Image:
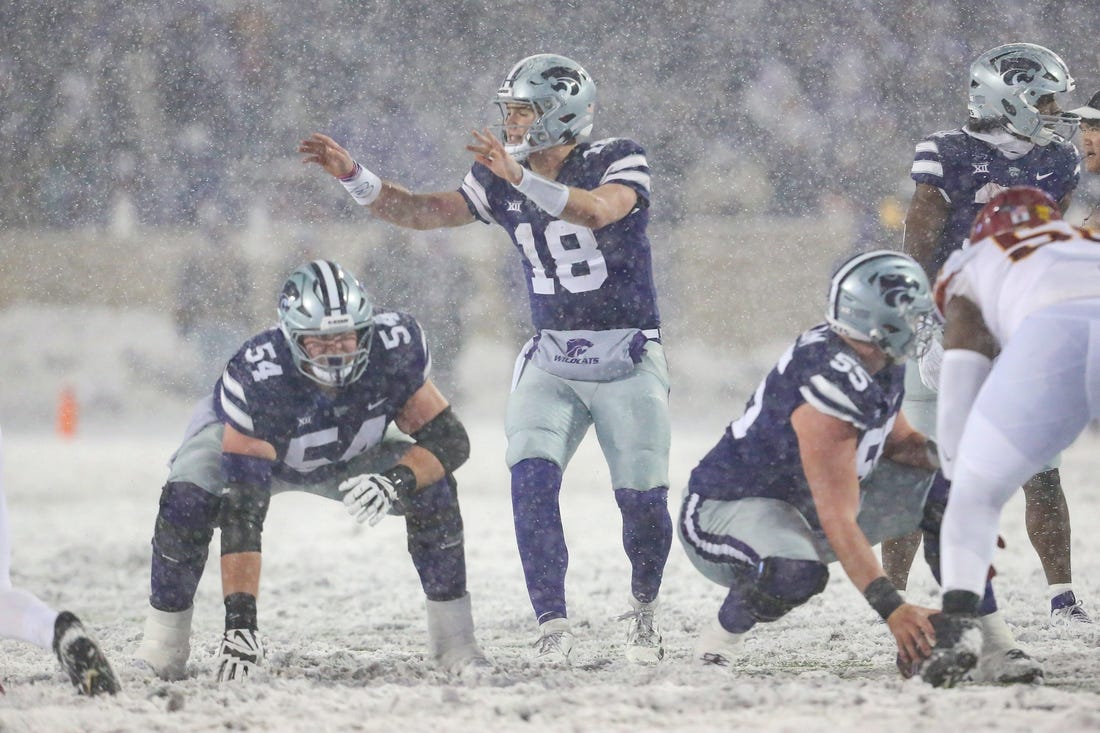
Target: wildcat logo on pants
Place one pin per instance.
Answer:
(576, 347)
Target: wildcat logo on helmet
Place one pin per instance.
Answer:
(565, 80)
(897, 289)
(1019, 70)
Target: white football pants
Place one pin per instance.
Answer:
(22, 615)
(1042, 392)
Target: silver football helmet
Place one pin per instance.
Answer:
(322, 299)
(883, 297)
(1006, 83)
(562, 94)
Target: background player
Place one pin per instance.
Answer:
(577, 213)
(1016, 135)
(305, 406)
(1025, 291)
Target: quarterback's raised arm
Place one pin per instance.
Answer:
(387, 200)
(592, 208)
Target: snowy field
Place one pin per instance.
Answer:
(343, 615)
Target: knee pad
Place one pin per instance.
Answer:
(185, 523)
(432, 515)
(181, 542)
(783, 584)
(435, 540)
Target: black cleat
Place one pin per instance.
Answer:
(81, 658)
(958, 645)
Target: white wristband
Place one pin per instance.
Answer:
(550, 196)
(363, 185)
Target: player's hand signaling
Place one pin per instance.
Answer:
(327, 153)
(912, 631)
(490, 152)
(368, 497)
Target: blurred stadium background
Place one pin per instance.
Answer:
(153, 201)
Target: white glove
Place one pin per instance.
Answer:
(929, 364)
(240, 654)
(368, 497)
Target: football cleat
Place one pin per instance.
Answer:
(717, 647)
(451, 640)
(1008, 667)
(556, 643)
(958, 646)
(166, 643)
(240, 654)
(643, 636)
(1066, 610)
(81, 657)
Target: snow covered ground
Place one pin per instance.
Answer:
(343, 615)
(342, 610)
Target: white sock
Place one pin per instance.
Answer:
(1057, 589)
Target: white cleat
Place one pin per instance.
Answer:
(451, 640)
(1001, 660)
(166, 643)
(717, 647)
(555, 643)
(1007, 667)
(644, 644)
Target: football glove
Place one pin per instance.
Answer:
(368, 497)
(240, 654)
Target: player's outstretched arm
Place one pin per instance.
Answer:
(828, 449)
(387, 200)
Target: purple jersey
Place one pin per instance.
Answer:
(578, 278)
(758, 454)
(970, 171)
(262, 394)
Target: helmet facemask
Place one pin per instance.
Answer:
(911, 342)
(332, 369)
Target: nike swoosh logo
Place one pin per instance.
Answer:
(373, 405)
(1041, 176)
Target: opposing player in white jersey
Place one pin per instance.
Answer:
(576, 211)
(25, 617)
(1016, 135)
(1026, 291)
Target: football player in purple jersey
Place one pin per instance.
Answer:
(307, 406)
(576, 211)
(1016, 136)
(25, 617)
(821, 466)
